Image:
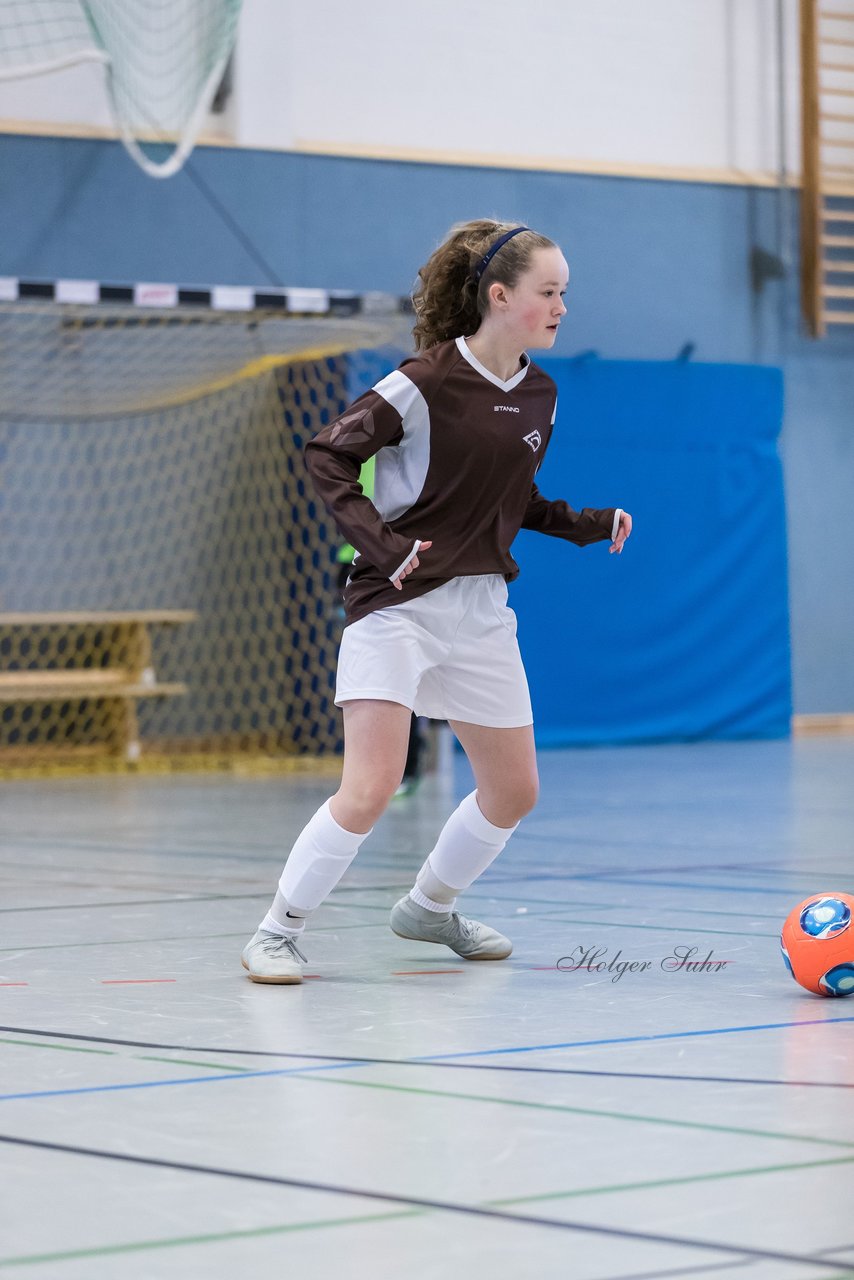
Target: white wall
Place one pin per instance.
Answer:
(670, 82)
(75, 96)
(676, 83)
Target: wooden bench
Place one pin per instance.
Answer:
(124, 672)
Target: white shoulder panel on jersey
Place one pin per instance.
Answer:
(554, 412)
(400, 470)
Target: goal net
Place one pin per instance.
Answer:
(152, 460)
(163, 61)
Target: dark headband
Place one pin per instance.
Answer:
(493, 249)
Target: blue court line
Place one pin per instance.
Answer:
(666, 1035)
(162, 1084)
(354, 1060)
(436, 1057)
(604, 880)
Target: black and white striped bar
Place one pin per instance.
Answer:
(224, 297)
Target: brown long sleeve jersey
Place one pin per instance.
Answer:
(456, 452)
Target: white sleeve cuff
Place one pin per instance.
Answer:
(616, 526)
(400, 568)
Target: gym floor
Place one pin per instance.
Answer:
(404, 1112)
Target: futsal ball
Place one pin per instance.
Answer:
(817, 942)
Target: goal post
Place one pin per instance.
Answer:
(152, 460)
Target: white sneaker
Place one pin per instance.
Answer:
(273, 957)
(469, 938)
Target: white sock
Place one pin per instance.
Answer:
(421, 900)
(280, 920)
(468, 844)
(320, 855)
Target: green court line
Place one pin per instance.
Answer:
(137, 1246)
(121, 942)
(555, 916)
(484, 896)
(66, 1048)
(480, 898)
(189, 1062)
(136, 1057)
(181, 937)
(484, 899)
(256, 1232)
(656, 928)
(580, 1111)
(671, 1182)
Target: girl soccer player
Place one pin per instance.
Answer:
(458, 433)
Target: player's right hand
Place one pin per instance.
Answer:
(623, 532)
(413, 564)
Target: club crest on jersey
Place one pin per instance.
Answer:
(534, 439)
(353, 428)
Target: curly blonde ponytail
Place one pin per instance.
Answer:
(449, 301)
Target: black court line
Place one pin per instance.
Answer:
(651, 871)
(592, 872)
(793, 872)
(394, 887)
(178, 900)
(605, 879)
(482, 895)
(60, 845)
(418, 1062)
(421, 1202)
(70, 846)
(143, 871)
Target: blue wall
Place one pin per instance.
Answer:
(686, 635)
(654, 265)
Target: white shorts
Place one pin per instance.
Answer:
(450, 654)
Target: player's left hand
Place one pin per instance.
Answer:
(624, 529)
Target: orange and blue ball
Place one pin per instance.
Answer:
(817, 942)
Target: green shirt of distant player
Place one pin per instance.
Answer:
(366, 480)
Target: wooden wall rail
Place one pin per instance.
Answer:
(827, 210)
